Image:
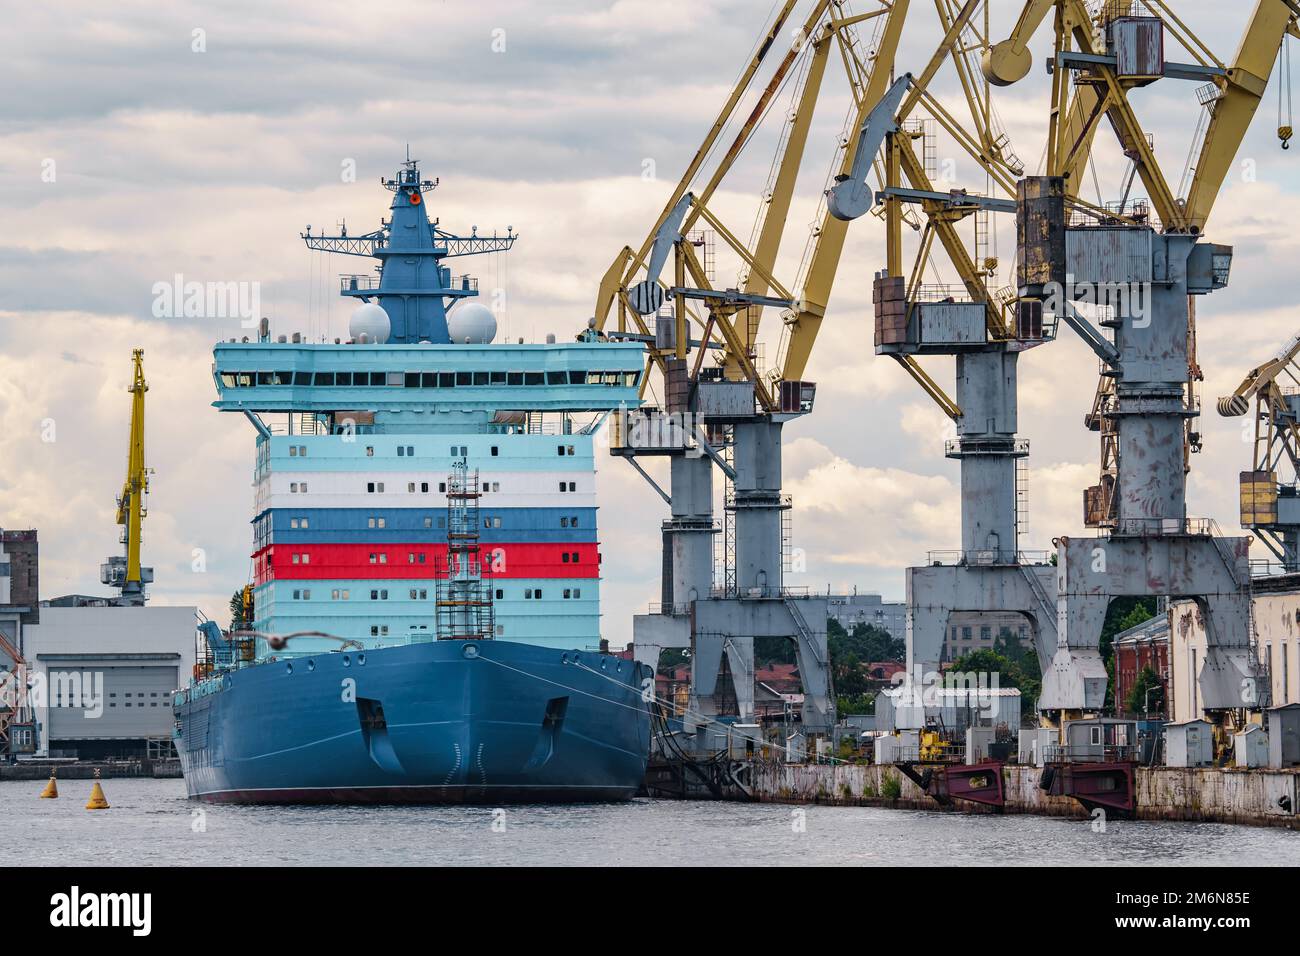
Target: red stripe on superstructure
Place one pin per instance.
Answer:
(342, 561)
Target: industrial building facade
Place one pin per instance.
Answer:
(19, 608)
(107, 674)
(1276, 612)
(966, 631)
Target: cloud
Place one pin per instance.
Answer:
(209, 164)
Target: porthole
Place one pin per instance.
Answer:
(289, 667)
(347, 661)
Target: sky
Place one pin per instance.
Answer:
(141, 141)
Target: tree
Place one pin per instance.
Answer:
(1147, 681)
(1123, 613)
(1024, 677)
(237, 620)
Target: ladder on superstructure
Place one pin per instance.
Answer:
(464, 594)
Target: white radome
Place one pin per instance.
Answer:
(472, 323)
(369, 319)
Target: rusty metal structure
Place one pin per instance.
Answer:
(1270, 501)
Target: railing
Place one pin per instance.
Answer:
(1091, 753)
(1264, 568)
(980, 446)
(938, 292)
(675, 610)
(1155, 527)
(986, 558)
(370, 283)
(757, 593)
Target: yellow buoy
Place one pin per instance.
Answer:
(51, 789)
(97, 800)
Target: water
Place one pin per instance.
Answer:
(152, 823)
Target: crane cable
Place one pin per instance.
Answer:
(1284, 87)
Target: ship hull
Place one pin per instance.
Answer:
(480, 722)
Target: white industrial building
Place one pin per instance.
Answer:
(106, 675)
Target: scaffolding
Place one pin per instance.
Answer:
(464, 591)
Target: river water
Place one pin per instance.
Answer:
(152, 823)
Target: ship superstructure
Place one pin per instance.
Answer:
(374, 456)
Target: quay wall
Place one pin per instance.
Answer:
(1257, 797)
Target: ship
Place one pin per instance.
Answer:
(423, 615)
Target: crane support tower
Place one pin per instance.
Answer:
(1147, 267)
(124, 571)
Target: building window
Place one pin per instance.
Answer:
(494, 451)
(370, 451)
(500, 594)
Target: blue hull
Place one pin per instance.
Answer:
(439, 722)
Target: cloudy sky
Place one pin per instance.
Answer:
(139, 141)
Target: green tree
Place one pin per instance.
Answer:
(1123, 613)
(237, 619)
(857, 704)
(1024, 677)
(670, 657)
(1147, 681)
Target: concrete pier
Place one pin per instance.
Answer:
(1253, 797)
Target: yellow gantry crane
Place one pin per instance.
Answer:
(1089, 82)
(125, 572)
(733, 315)
(1271, 507)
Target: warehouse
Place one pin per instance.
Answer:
(107, 674)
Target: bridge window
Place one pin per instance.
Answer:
(514, 378)
(557, 378)
(480, 378)
(464, 378)
(325, 378)
(534, 378)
